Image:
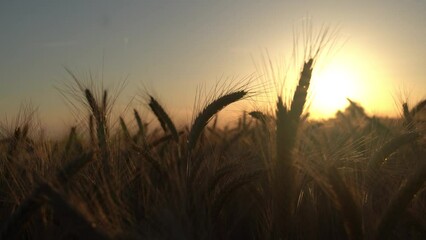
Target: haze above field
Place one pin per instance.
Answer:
(172, 47)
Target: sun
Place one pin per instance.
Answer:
(331, 86)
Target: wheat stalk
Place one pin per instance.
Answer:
(345, 202)
(287, 122)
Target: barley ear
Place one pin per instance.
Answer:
(72, 168)
(92, 130)
(287, 122)
(164, 119)
(99, 115)
(70, 141)
(299, 98)
(11, 227)
(419, 107)
(387, 149)
(72, 217)
(400, 201)
(408, 118)
(141, 128)
(347, 205)
(208, 112)
(258, 115)
(230, 188)
(125, 130)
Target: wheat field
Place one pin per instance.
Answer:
(274, 175)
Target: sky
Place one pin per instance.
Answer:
(173, 47)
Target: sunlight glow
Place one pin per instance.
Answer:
(330, 88)
(357, 74)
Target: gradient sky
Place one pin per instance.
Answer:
(174, 46)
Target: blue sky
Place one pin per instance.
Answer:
(174, 46)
